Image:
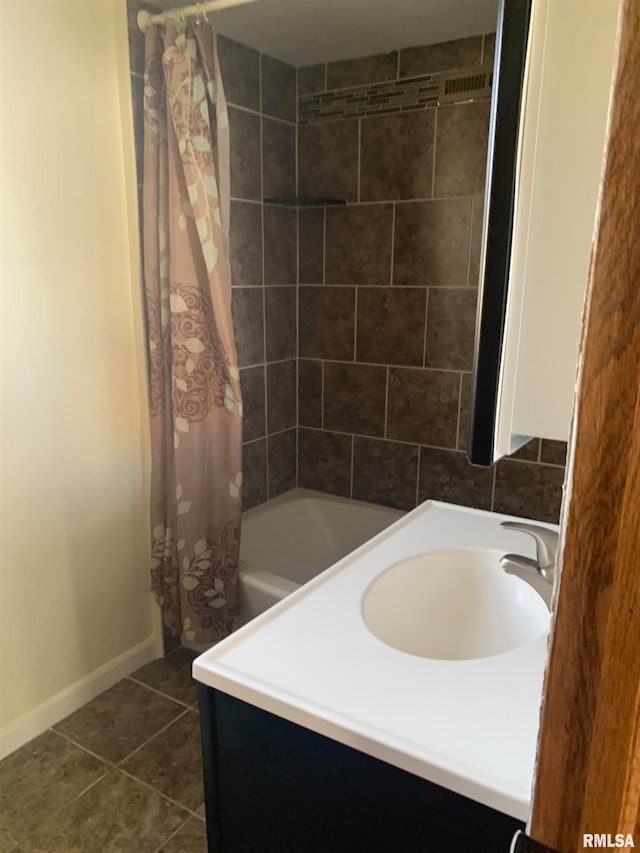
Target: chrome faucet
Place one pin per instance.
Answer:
(543, 567)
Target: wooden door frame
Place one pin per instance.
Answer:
(587, 777)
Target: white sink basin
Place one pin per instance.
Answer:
(453, 604)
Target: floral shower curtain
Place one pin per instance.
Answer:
(195, 402)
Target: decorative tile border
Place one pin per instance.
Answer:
(394, 96)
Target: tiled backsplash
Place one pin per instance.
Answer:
(368, 309)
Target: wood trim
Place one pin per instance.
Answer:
(588, 766)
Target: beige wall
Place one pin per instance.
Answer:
(75, 610)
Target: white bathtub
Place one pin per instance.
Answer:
(291, 539)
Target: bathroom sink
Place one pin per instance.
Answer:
(453, 604)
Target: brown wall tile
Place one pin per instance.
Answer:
(390, 326)
(396, 156)
(451, 322)
(553, 452)
(368, 69)
(282, 396)
(254, 473)
(445, 475)
(310, 393)
(278, 89)
(385, 472)
(253, 402)
(465, 412)
(280, 252)
(488, 48)
(326, 322)
(324, 461)
(245, 243)
(278, 159)
(328, 160)
(282, 450)
(475, 240)
(311, 246)
(462, 135)
(311, 79)
(354, 397)
(358, 244)
(443, 56)
(244, 131)
(248, 324)
(528, 452)
(240, 68)
(423, 406)
(431, 243)
(525, 489)
(281, 316)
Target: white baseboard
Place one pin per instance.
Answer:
(59, 706)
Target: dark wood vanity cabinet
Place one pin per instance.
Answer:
(272, 786)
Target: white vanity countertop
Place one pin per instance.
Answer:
(468, 725)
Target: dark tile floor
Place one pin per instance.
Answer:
(121, 775)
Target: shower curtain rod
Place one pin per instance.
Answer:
(145, 18)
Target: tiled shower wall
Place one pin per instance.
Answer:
(386, 285)
(388, 288)
(262, 104)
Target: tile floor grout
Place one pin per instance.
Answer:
(171, 672)
(159, 692)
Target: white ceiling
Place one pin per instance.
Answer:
(303, 32)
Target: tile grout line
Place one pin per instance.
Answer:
(110, 764)
(182, 808)
(173, 834)
(260, 113)
(422, 444)
(375, 364)
(461, 287)
(418, 475)
(244, 444)
(155, 690)
(119, 764)
(419, 199)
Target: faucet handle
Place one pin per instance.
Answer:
(546, 541)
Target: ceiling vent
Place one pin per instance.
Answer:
(468, 84)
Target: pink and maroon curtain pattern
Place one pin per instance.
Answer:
(195, 401)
